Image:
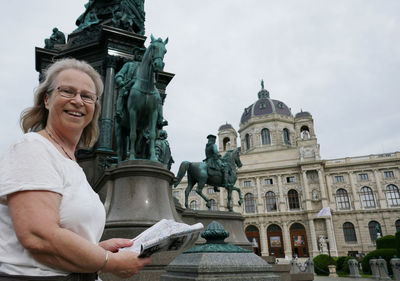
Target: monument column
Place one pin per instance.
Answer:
(263, 240)
(331, 236)
(106, 118)
(260, 208)
(306, 191)
(381, 194)
(354, 192)
(314, 245)
(286, 240)
(282, 202)
(324, 197)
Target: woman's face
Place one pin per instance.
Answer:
(70, 114)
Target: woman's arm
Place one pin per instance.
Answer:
(35, 216)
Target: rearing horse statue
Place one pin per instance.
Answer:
(197, 173)
(144, 103)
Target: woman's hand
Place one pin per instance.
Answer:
(124, 264)
(114, 244)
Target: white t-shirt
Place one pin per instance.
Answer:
(34, 163)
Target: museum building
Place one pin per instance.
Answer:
(295, 203)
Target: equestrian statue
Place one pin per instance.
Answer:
(215, 170)
(139, 113)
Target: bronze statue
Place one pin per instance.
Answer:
(197, 172)
(215, 166)
(56, 38)
(163, 151)
(145, 105)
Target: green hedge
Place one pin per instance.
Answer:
(386, 254)
(397, 243)
(339, 262)
(386, 242)
(321, 263)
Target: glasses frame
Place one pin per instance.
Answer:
(74, 92)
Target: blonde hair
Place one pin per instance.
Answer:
(34, 118)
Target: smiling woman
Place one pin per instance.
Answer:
(51, 220)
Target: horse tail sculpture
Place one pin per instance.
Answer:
(182, 171)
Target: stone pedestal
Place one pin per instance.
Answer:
(332, 271)
(395, 262)
(354, 269)
(383, 270)
(374, 268)
(137, 194)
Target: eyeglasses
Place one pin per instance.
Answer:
(70, 93)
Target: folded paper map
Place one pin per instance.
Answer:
(166, 235)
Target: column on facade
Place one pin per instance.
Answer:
(282, 201)
(356, 200)
(306, 191)
(263, 240)
(381, 195)
(222, 196)
(331, 237)
(286, 240)
(259, 199)
(324, 197)
(106, 118)
(314, 245)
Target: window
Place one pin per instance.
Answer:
(363, 177)
(268, 181)
(213, 205)
(247, 138)
(393, 195)
(349, 232)
(210, 190)
(375, 230)
(293, 198)
(226, 143)
(270, 202)
(290, 179)
(342, 199)
(389, 174)
(367, 197)
(305, 133)
(286, 136)
(247, 183)
(194, 205)
(339, 179)
(265, 136)
(249, 203)
(397, 225)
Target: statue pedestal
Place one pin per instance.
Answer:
(137, 194)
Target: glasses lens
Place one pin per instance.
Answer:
(70, 93)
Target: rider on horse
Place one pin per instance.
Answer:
(125, 79)
(215, 165)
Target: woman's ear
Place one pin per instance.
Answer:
(46, 100)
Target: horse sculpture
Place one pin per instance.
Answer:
(144, 107)
(197, 173)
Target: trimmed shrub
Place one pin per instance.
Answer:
(339, 262)
(346, 268)
(397, 243)
(321, 263)
(386, 242)
(386, 254)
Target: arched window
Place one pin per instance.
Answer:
(226, 143)
(293, 198)
(247, 138)
(270, 202)
(393, 195)
(213, 205)
(194, 205)
(305, 133)
(342, 199)
(249, 203)
(374, 228)
(286, 136)
(349, 232)
(397, 225)
(265, 136)
(367, 197)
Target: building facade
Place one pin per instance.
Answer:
(295, 203)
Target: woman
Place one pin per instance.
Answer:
(50, 218)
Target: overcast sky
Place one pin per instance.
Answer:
(339, 60)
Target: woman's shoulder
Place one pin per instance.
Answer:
(32, 143)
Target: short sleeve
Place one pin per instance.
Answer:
(30, 164)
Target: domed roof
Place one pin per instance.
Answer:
(264, 106)
(225, 126)
(302, 114)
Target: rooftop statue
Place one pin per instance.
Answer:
(125, 14)
(144, 104)
(57, 37)
(213, 173)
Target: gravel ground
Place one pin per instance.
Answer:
(326, 278)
